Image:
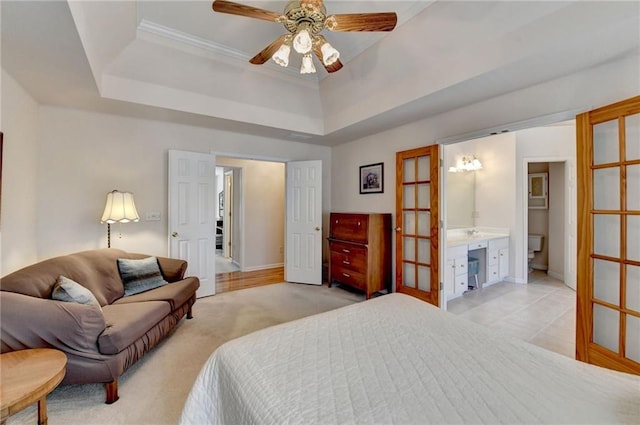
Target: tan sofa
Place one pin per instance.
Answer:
(101, 343)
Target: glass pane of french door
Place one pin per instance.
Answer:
(608, 314)
(417, 221)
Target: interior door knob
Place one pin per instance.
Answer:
(317, 229)
(174, 234)
(398, 229)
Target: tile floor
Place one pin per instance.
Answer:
(542, 312)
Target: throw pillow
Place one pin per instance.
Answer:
(140, 275)
(68, 290)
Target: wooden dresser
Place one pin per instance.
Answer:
(360, 251)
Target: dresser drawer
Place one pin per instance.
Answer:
(350, 277)
(348, 249)
(352, 261)
(349, 227)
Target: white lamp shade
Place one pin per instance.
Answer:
(307, 65)
(329, 54)
(119, 208)
(302, 42)
(281, 56)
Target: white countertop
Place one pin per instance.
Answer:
(465, 236)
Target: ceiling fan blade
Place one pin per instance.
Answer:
(384, 21)
(336, 66)
(268, 51)
(223, 6)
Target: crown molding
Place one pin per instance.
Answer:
(191, 40)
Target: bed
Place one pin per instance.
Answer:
(397, 360)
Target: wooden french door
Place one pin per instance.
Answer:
(608, 291)
(417, 223)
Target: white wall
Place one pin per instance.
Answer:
(495, 183)
(263, 185)
(556, 220)
(83, 155)
(19, 176)
(546, 144)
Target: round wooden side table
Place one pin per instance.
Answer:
(28, 376)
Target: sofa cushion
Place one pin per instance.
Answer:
(96, 270)
(173, 269)
(129, 321)
(140, 275)
(175, 293)
(68, 290)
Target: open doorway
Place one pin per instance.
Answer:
(251, 220)
(546, 219)
(497, 198)
(226, 261)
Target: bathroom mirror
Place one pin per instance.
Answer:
(460, 199)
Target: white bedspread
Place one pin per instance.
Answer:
(397, 360)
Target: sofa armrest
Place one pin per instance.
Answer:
(173, 269)
(31, 322)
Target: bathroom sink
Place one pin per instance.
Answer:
(460, 238)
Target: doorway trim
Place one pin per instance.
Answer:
(240, 190)
(570, 216)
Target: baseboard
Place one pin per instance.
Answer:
(556, 275)
(263, 267)
(513, 280)
(536, 266)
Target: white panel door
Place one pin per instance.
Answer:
(192, 226)
(303, 261)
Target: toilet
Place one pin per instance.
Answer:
(534, 244)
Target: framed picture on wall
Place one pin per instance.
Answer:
(372, 178)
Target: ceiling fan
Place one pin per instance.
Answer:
(305, 19)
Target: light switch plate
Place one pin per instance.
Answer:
(153, 216)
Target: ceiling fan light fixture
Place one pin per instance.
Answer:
(304, 21)
(281, 56)
(307, 65)
(302, 42)
(329, 54)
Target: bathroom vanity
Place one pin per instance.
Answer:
(489, 246)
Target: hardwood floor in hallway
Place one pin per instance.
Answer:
(232, 281)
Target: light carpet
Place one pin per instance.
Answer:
(154, 390)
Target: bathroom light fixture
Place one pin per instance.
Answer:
(468, 163)
(119, 208)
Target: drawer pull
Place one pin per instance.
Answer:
(346, 250)
(346, 262)
(346, 275)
